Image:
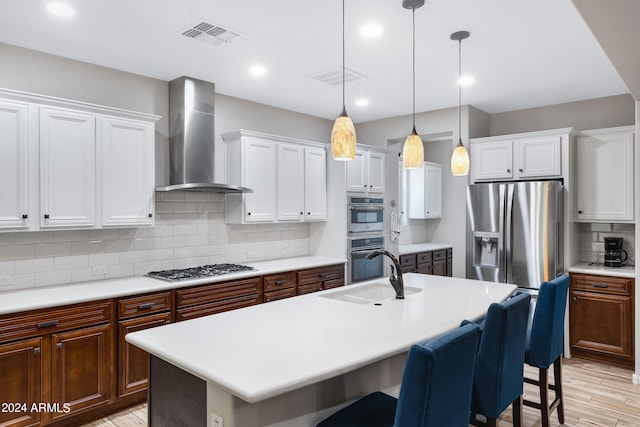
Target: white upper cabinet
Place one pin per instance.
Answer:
(127, 172)
(291, 184)
(315, 184)
(14, 184)
(535, 155)
(366, 172)
(74, 165)
(287, 176)
(605, 175)
(67, 168)
(424, 191)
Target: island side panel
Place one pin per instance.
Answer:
(306, 406)
(176, 398)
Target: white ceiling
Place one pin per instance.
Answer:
(522, 53)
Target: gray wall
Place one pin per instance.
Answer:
(596, 113)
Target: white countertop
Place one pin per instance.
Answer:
(263, 351)
(53, 296)
(423, 247)
(601, 270)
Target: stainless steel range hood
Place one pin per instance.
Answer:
(192, 138)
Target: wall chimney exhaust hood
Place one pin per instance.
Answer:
(192, 138)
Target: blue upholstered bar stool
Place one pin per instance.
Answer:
(435, 389)
(545, 345)
(498, 379)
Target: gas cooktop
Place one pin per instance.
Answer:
(197, 272)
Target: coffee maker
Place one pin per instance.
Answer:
(614, 255)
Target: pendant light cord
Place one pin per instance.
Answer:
(414, 69)
(460, 90)
(343, 56)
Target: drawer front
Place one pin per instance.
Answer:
(144, 304)
(40, 322)
(449, 253)
(279, 281)
(423, 257)
(438, 255)
(335, 283)
(601, 284)
(321, 274)
(218, 292)
(280, 294)
(216, 307)
(407, 260)
(309, 288)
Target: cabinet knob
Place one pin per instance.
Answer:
(301, 213)
(46, 216)
(36, 350)
(280, 282)
(248, 213)
(59, 345)
(520, 170)
(25, 216)
(579, 212)
(365, 185)
(150, 215)
(308, 213)
(371, 186)
(574, 299)
(508, 170)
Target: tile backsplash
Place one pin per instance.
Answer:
(189, 231)
(592, 240)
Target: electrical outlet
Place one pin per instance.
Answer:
(251, 255)
(216, 420)
(99, 269)
(5, 279)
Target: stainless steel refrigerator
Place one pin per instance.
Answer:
(515, 232)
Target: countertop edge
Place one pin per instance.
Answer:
(601, 270)
(411, 248)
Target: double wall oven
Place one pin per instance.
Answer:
(366, 234)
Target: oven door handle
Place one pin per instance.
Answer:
(367, 208)
(362, 251)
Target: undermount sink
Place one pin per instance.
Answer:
(369, 294)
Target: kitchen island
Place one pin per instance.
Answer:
(292, 362)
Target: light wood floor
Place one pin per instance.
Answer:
(595, 395)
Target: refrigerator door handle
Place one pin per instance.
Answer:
(508, 235)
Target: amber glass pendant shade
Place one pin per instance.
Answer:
(460, 160)
(413, 152)
(343, 138)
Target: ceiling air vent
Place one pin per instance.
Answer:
(207, 32)
(334, 76)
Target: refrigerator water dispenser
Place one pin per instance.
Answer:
(485, 249)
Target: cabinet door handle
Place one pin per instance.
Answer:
(323, 275)
(59, 345)
(25, 216)
(600, 285)
(46, 216)
(281, 282)
(48, 324)
(574, 299)
(36, 350)
(146, 306)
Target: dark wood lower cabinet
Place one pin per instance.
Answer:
(21, 372)
(438, 263)
(601, 318)
(133, 364)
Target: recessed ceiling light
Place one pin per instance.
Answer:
(371, 30)
(466, 81)
(257, 70)
(362, 102)
(62, 10)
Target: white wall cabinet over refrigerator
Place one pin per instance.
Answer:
(366, 172)
(534, 155)
(75, 165)
(287, 176)
(424, 191)
(605, 175)
(14, 206)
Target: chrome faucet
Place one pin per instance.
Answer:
(396, 281)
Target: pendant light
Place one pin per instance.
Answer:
(343, 134)
(460, 156)
(413, 149)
